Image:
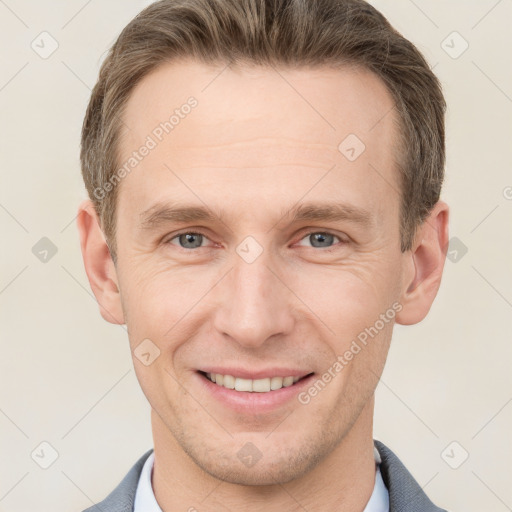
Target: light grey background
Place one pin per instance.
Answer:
(67, 376)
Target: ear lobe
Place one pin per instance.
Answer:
(99, 267)
(427, 259)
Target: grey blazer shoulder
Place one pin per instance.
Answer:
(405, 494)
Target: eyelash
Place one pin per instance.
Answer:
(304, 235)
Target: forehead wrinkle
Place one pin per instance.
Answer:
(257, 152)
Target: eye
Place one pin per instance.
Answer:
(188, 240)
(321, 239)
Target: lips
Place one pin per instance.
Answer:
(236, 390)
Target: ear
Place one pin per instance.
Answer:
(424, 266)
(98, 264)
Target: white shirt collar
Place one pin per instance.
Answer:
(145, 500)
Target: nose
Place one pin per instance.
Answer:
(255, 303)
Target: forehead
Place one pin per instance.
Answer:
(259, 117)
(333, 100)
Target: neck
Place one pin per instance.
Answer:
(343, 481)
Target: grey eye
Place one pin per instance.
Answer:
(321, 239)
(190, 240)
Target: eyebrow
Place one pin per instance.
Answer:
(330, 212)
(164, 213)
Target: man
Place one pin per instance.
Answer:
(264, 181)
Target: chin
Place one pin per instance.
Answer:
(272, 465)
(262, 473)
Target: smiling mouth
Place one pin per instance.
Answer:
(265, 385)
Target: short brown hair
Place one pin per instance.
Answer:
(272, 32)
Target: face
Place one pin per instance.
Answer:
(249, 245)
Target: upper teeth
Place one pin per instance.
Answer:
(259, 385)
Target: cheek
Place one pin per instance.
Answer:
(158, 297)
(347, 298)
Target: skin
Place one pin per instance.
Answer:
(250, 151)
